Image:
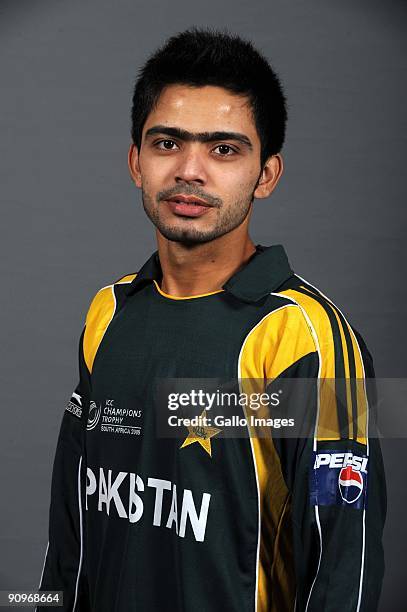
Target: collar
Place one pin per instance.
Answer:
(265, 271)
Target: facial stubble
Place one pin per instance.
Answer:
(226, 220)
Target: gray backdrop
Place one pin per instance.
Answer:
(73, 220)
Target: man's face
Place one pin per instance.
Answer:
(198, 142)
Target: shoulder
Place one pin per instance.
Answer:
(100, 313)
(122, 280)
(106, 298)
(339, 344)
(319, 310)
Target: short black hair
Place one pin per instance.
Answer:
(204, 56)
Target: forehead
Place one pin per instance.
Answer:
(200, 109)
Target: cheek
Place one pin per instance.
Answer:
(236, 176)
(151, 179)
(153, 171)
(239, 188)
(250, 181)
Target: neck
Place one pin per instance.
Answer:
(203, 268)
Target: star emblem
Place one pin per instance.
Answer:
(201, 434)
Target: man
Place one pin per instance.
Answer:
(207, 521)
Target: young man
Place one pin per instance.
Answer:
(207, 522)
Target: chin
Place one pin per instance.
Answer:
(187, 237)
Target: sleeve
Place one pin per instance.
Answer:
(336, 478)
(65, 559)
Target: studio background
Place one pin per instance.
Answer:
(72, 220)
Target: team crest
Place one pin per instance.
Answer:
(201, 433)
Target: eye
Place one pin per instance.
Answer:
(225, 153)
(165, 143)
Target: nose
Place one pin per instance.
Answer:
(191, 165)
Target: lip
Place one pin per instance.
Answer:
(181, 206)
(188, 198)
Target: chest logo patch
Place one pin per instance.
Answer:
(201, 433)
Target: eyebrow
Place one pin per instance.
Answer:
(199, 136)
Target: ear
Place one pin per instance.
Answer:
(272, 170)
(134, 165)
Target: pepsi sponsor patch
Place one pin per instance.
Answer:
(338, 478)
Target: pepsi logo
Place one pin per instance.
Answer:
(350, 484)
